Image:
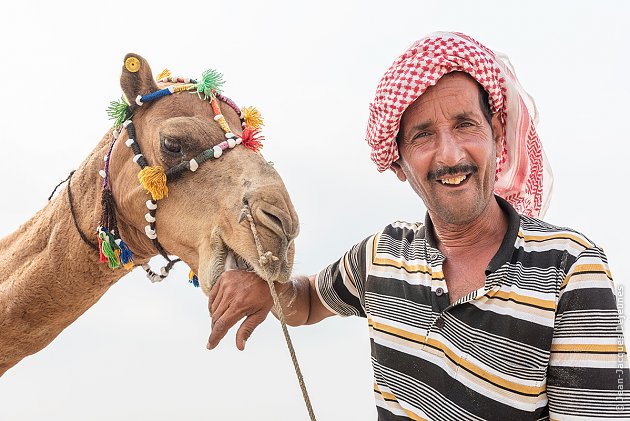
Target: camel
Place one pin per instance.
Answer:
(52, 269)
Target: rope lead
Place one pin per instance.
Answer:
(264, 258)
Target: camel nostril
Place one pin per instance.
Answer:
(274, 219)
(277, 220)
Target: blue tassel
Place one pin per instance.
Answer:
(126, 257)
(194, 281)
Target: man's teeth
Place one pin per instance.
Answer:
(454, 180)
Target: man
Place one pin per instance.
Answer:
(483, 311)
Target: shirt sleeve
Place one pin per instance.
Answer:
(341, 286)
(588, 377)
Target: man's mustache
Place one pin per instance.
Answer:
(457, 169)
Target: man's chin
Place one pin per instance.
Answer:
(456, 210)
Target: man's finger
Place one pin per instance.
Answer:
(222, 308)
(213, 302)
(248, 326)
(223, 323)
(214, 291)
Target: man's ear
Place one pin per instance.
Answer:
(136, 78)
(497, 133)
(398, 171)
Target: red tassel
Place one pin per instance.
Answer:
(252, 139)
(102, 257)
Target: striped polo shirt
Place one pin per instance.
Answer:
(541, 340)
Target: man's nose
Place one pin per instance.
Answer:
(449, 149)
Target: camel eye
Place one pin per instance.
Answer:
(171, 146)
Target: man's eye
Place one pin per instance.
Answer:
(421, 135)
(464, 124)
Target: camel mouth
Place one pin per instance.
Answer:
(217, 256)
(223, 258)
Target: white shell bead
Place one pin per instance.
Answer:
(126, 123)
(150, 232)
(218, 117)
(193, 165)
(129, 142)
(138, 100)
(102, 173)
(239, 140)
(231, 143)
(149, 217)
(217, 151)
(230, 135)
(151, 205)
(136, 158)
(154, 277)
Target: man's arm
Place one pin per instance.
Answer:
(239, 295)
(588, 377)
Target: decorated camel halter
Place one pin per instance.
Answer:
(111, 247)
(154, 179)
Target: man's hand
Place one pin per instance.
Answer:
(236, 295)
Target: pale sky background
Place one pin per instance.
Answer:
(311, 68)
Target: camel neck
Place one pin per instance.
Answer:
(50, 275)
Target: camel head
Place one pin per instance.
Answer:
(218, 188)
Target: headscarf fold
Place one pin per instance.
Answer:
(523, 175)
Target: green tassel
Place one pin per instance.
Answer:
(117, 111)
(211, 80)
(109, 252)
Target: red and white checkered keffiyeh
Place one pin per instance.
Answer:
(523, 174)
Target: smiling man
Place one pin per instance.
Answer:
(483, 311)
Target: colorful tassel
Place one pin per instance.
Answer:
(117, 111)
(101, 256)
(108, 249)
(252, 139)
(164, 73)
(126, 257)
(252, 117)
(211, 80)
(193, 279)
(153, 179)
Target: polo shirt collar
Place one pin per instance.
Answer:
(504, 254)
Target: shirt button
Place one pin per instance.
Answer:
(439, 322)
(439, 291)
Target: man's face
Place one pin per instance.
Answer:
(448, 149)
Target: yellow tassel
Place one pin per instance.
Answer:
(164, 73)
(128, 265)
(153, 179)
(252, 117)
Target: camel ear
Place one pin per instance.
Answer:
(136, 78)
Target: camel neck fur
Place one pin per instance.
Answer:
(50, 276)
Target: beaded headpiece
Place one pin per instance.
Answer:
(112, 248)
